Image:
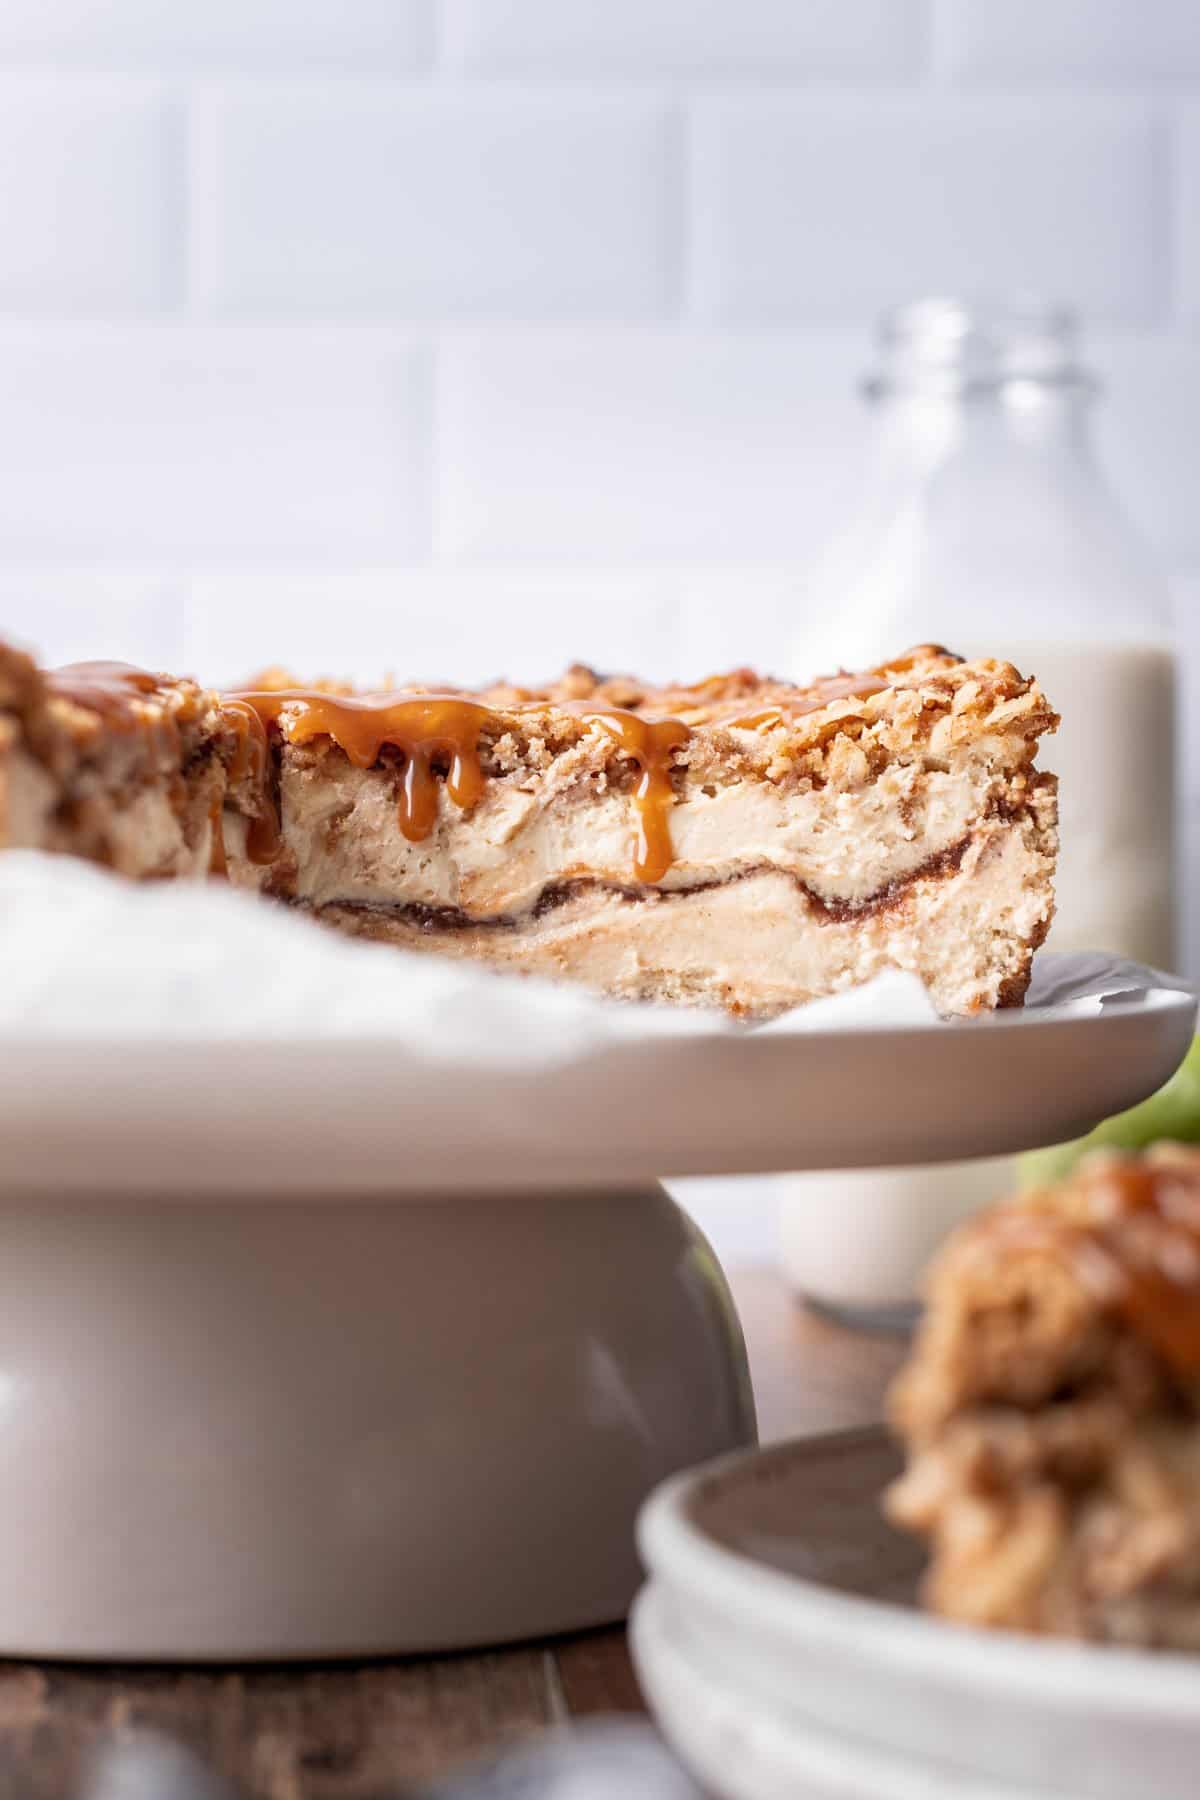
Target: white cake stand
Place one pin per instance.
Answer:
(285, 1372)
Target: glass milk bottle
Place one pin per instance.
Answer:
(986, 525)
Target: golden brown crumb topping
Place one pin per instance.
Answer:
(1050, 1409)
(649, 741)
(737, 722)
(1030, 1299)
(943, 680)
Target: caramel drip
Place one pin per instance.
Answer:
(429, 729)
(649, 743)
(106, 688)
(112, 692)
(252, 762)
(1138, 1252)
(264, 834)
(425, 728)
(218, 863)
(811, 700)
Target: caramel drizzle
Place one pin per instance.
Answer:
(112, 690)
(252, 760)
(1139, 1254)
(428, 730)
(444, 728)
(218, 862)
(436, 728)
(424, 728)
(650, 745)
(441, 727)
(106, 688)
(811, 700)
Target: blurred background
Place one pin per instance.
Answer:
(464, 336)
(458, 338)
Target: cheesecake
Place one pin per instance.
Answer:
(740, 843)
(1051, 1409)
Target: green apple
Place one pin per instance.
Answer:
(1173, 1112)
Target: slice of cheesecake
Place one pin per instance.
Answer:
(111, 763)
(740, 843)
(1051, 1409)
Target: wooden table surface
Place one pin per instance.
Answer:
(346, 1732)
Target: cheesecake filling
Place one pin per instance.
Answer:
(757, 943)
(846, 849)
(775, 894)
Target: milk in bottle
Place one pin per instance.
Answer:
(987, 526)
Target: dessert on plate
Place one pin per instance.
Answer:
(741, 843)
(1051, 1409)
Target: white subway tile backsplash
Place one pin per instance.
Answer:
(614, 446)
(1109, 42)
(464, 370)
(70, 613)
(199, 34)
(386, 623)
(364, 624)
(476, 624)
(842, 38)
(125, 446)
(812, 208)
(91, 181)
(742, 450)
(434, 203)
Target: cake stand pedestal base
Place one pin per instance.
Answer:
(239, 1430)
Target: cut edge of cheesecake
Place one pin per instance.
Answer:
(740, 842)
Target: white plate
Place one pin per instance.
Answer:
(779, 1644)
(751, 1753)
(632, 1098)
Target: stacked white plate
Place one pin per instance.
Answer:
(779, 1644)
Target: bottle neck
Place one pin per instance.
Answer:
(920, 429)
